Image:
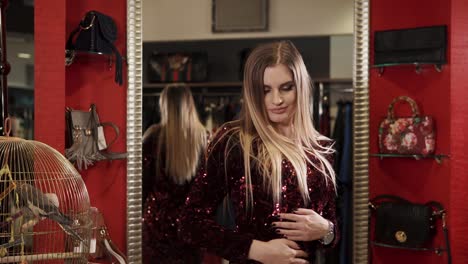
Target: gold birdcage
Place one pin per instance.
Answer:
(44, 205)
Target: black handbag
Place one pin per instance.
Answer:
(86, 143)
(96, 34)
(415, 45)
(405, 225)
(178, 67)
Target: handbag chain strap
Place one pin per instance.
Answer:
(438, 212)
(414, 107)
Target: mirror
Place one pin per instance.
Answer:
(227, 80)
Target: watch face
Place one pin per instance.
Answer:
(328, 238)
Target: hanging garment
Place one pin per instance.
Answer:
(338, 134)
(332, 256)
(151, 113)
(325, 117)
(346, 180)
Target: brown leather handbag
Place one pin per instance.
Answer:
(102, 246)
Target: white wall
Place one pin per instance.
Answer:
(18, 76)
(168, 20)
(341, 56)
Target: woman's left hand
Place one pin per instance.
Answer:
(305, 225)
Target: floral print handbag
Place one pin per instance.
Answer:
(406, 135)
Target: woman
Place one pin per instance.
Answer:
(274, 166)
(172, 152)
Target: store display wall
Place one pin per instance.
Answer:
(88, 80)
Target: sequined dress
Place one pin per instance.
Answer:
(212, 185)
(164, 200)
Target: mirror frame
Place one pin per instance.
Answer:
(360, 131)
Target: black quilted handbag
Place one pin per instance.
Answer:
(96, 33)
(402, 224)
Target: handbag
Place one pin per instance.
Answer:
(178, 67)
(406, 135)
(86, 143)
(101, 245)
(414, 45)
(402, 224)
(96, 34)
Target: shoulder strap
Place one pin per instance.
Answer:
(109, 33)
(111, 248)
(107, 154)
(373, 203)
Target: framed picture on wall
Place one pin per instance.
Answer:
(239, 15)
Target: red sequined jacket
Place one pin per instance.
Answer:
(211, 186)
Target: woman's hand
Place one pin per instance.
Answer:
(305, 225)
(277, 251)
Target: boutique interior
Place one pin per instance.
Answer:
(388, 80)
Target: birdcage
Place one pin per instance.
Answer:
(44, 205)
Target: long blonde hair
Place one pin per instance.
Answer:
(261, 143)
(181, 134)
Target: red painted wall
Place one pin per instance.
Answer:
(88, 80)
(441, 95)
(458, 127)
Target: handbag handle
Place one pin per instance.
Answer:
(373, 202)
(414, 106)
(107, 154)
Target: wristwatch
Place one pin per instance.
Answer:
(328, 238)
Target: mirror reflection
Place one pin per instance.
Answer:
(247, 142)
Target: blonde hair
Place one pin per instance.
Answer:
(262, 144)
(181, 134)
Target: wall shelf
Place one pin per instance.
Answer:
(437, 157)
(236, 84)
(199, 84)
(72, 55)
(418, 66)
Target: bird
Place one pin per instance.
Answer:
(44, 206)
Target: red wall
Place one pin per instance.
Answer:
(88, 80)
(440, 95)
(459, 126)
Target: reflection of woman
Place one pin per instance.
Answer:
(273, 164)
(172, 151)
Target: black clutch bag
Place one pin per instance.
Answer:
(415, 45)
(178, 67)
(402, 224)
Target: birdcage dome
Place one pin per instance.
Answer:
(44, 205)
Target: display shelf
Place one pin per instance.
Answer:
(418, 66)
(234, 84)
(197, 84)
(71, 55)
(437, 157)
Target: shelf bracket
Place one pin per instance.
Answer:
(418, 68)
(381, 70)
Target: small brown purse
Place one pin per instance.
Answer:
(101, 245)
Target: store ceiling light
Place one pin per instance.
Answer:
(24, 55)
